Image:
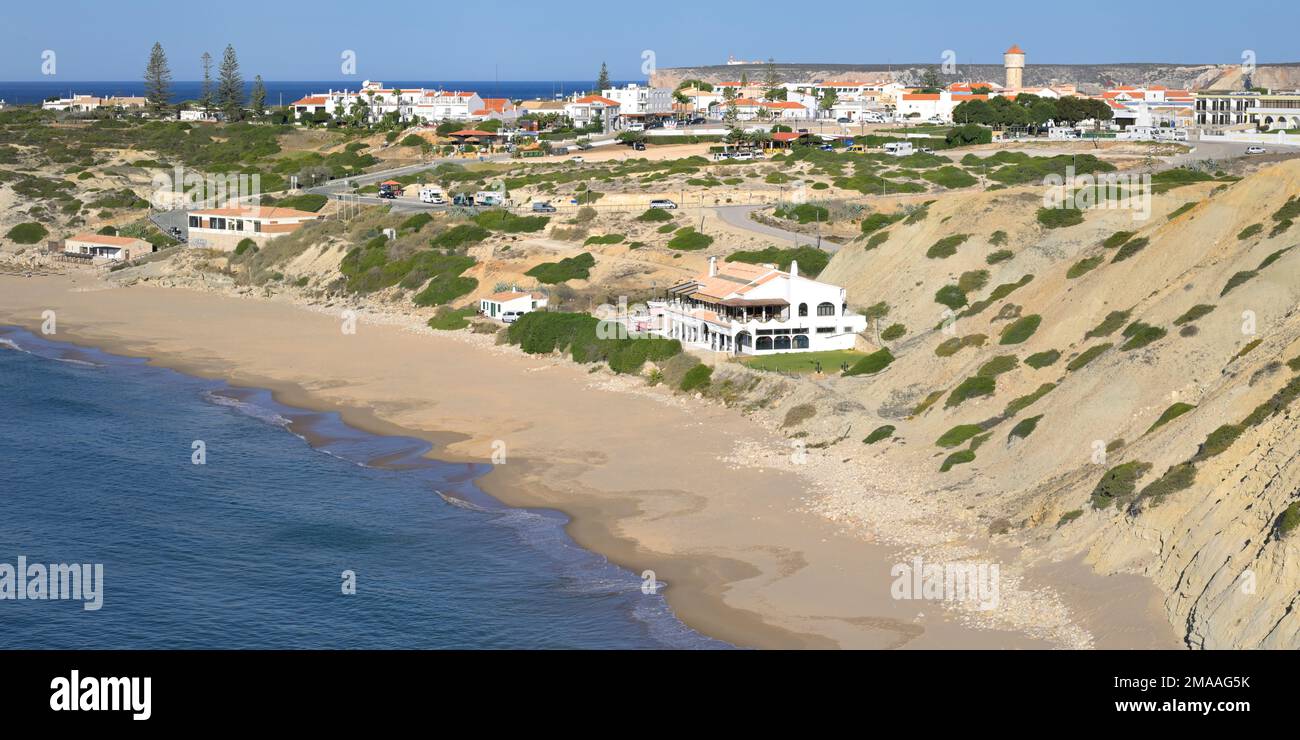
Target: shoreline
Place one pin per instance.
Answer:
(743, 562)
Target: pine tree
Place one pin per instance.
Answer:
(230, 86)
(157, 80)
(205, 97)
(602, 82)
(259, 97)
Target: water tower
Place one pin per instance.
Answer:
(1014, 61)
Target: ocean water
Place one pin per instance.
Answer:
(290, 90)
(248, 550)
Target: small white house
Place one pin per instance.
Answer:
(102, 247)
(512, 302)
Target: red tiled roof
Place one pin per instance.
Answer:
(1015, 49)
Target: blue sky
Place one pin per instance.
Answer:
(513, 40)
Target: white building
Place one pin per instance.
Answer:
(224, 228)
(588, 108)
(750, 109)
(756, 309)
(1240, 109)
(635, 101)
(409, 104)
(88, 103)
(498, 304)
(113, 248)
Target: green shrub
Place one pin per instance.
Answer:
(1194, 313)
(1057, 218)
(416, 222)
(998, 238)
(1068, 517)
(1177, 478)
(507, 222)
(444, 288)
(655, 215)
(1118, 239)
(973, 280)
(1288, 520)
(946, 247)
(878, 221)
(1140, 335)
(1171, 413)
(27, 233)
(1024, 428)
(811, 259)
(1218, 441)
(312, 202)
(1025, 401)
(1249, 231)
(1245, 350)
(876, 240)
(998, 365)
(1118, 484)
(689, 240)
(879, 433)
(1002, 255)
(950, 347)
(958, 435)
(245, 245)
(1087, 356)
(1109, 325)
(950, 177)
(1021, 329)
(872, 363)
(447, 319)
(951, 296)
(696, 377)
(959, 457)
(972, 387)
(459, 236)
(412, 140)
(895, 331)
(570, 268)
(605, 239)
(1238, 279)
(1130, 248)
(1040, 360)
(1083, 267)
(803, 213)
(1180, 210)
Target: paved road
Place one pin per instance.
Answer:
(738, 216)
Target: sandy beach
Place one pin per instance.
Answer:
(649, 479)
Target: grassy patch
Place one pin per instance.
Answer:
(1140, 335)
(958, 435)
(1040, 360)
(689, 240)
(1059, 218)
(950, 347)
(697, 377)
(951, 296)
(655, 215)
(975, 386)
(1021, 329)
(1249, 231)
(877, 221)
(1171, 413)
(876, 240)
(1118, 484)
(605, 239)
(960, 457)
(811, 259)
(879, 433)
(1218, 441)
(1288, 520)
(872, 363)
(1024, 428)
(946, 247)
(1194, 313)
(998, 365)
(570, 268)
(1177, 478)
(803, 213)
(1118, 239)
(892, 332)
(27, 233)
(1083, 267)
(1002, 255)
(1130, 248)
(460, 235)
(1068, 517)
(449, 319)
(1180, 210)
(803, 362)
(1109, 325)
(1027, 400)
(1087, 356)
(509, 223)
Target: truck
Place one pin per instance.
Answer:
(489, 198)
(434, 196)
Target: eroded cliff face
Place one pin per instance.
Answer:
(1177, 363)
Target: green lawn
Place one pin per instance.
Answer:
(804, 362)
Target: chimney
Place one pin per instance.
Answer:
(794, 268)
(713, 267)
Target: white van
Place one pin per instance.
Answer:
(898, 148)
(434, 196)
(636, 126)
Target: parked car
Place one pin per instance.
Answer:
(663, 203)
(388, 194)
(543, 207)
(802, 131)
(636, 127)
(927, 150)
(461, 199)
(843, 119)
(1255, 150)
(638, 146)
(577, 160)
(511, 317)
(826, 148)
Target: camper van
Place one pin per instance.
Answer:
(898, 148)
(432, 195)
(488, 198)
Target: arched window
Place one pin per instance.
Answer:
(803, 309)
(764, 343)
(743, 339)
(825, 309)
(801, 341)
(782, 343)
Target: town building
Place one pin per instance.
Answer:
(587, 109)
(90, 103)
(741, 308)
(749, 109)
(224, 228)
(1224, 109)
(511, 301)
(641, 103)
(1013, 61)
(374, 101)
(108, 248)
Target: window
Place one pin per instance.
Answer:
(782, 343)
(825, 330)
(764, 343)
(803, 309)
(194, 222)
(825, 309)
(801, 341)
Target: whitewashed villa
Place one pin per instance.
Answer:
(749, 309)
